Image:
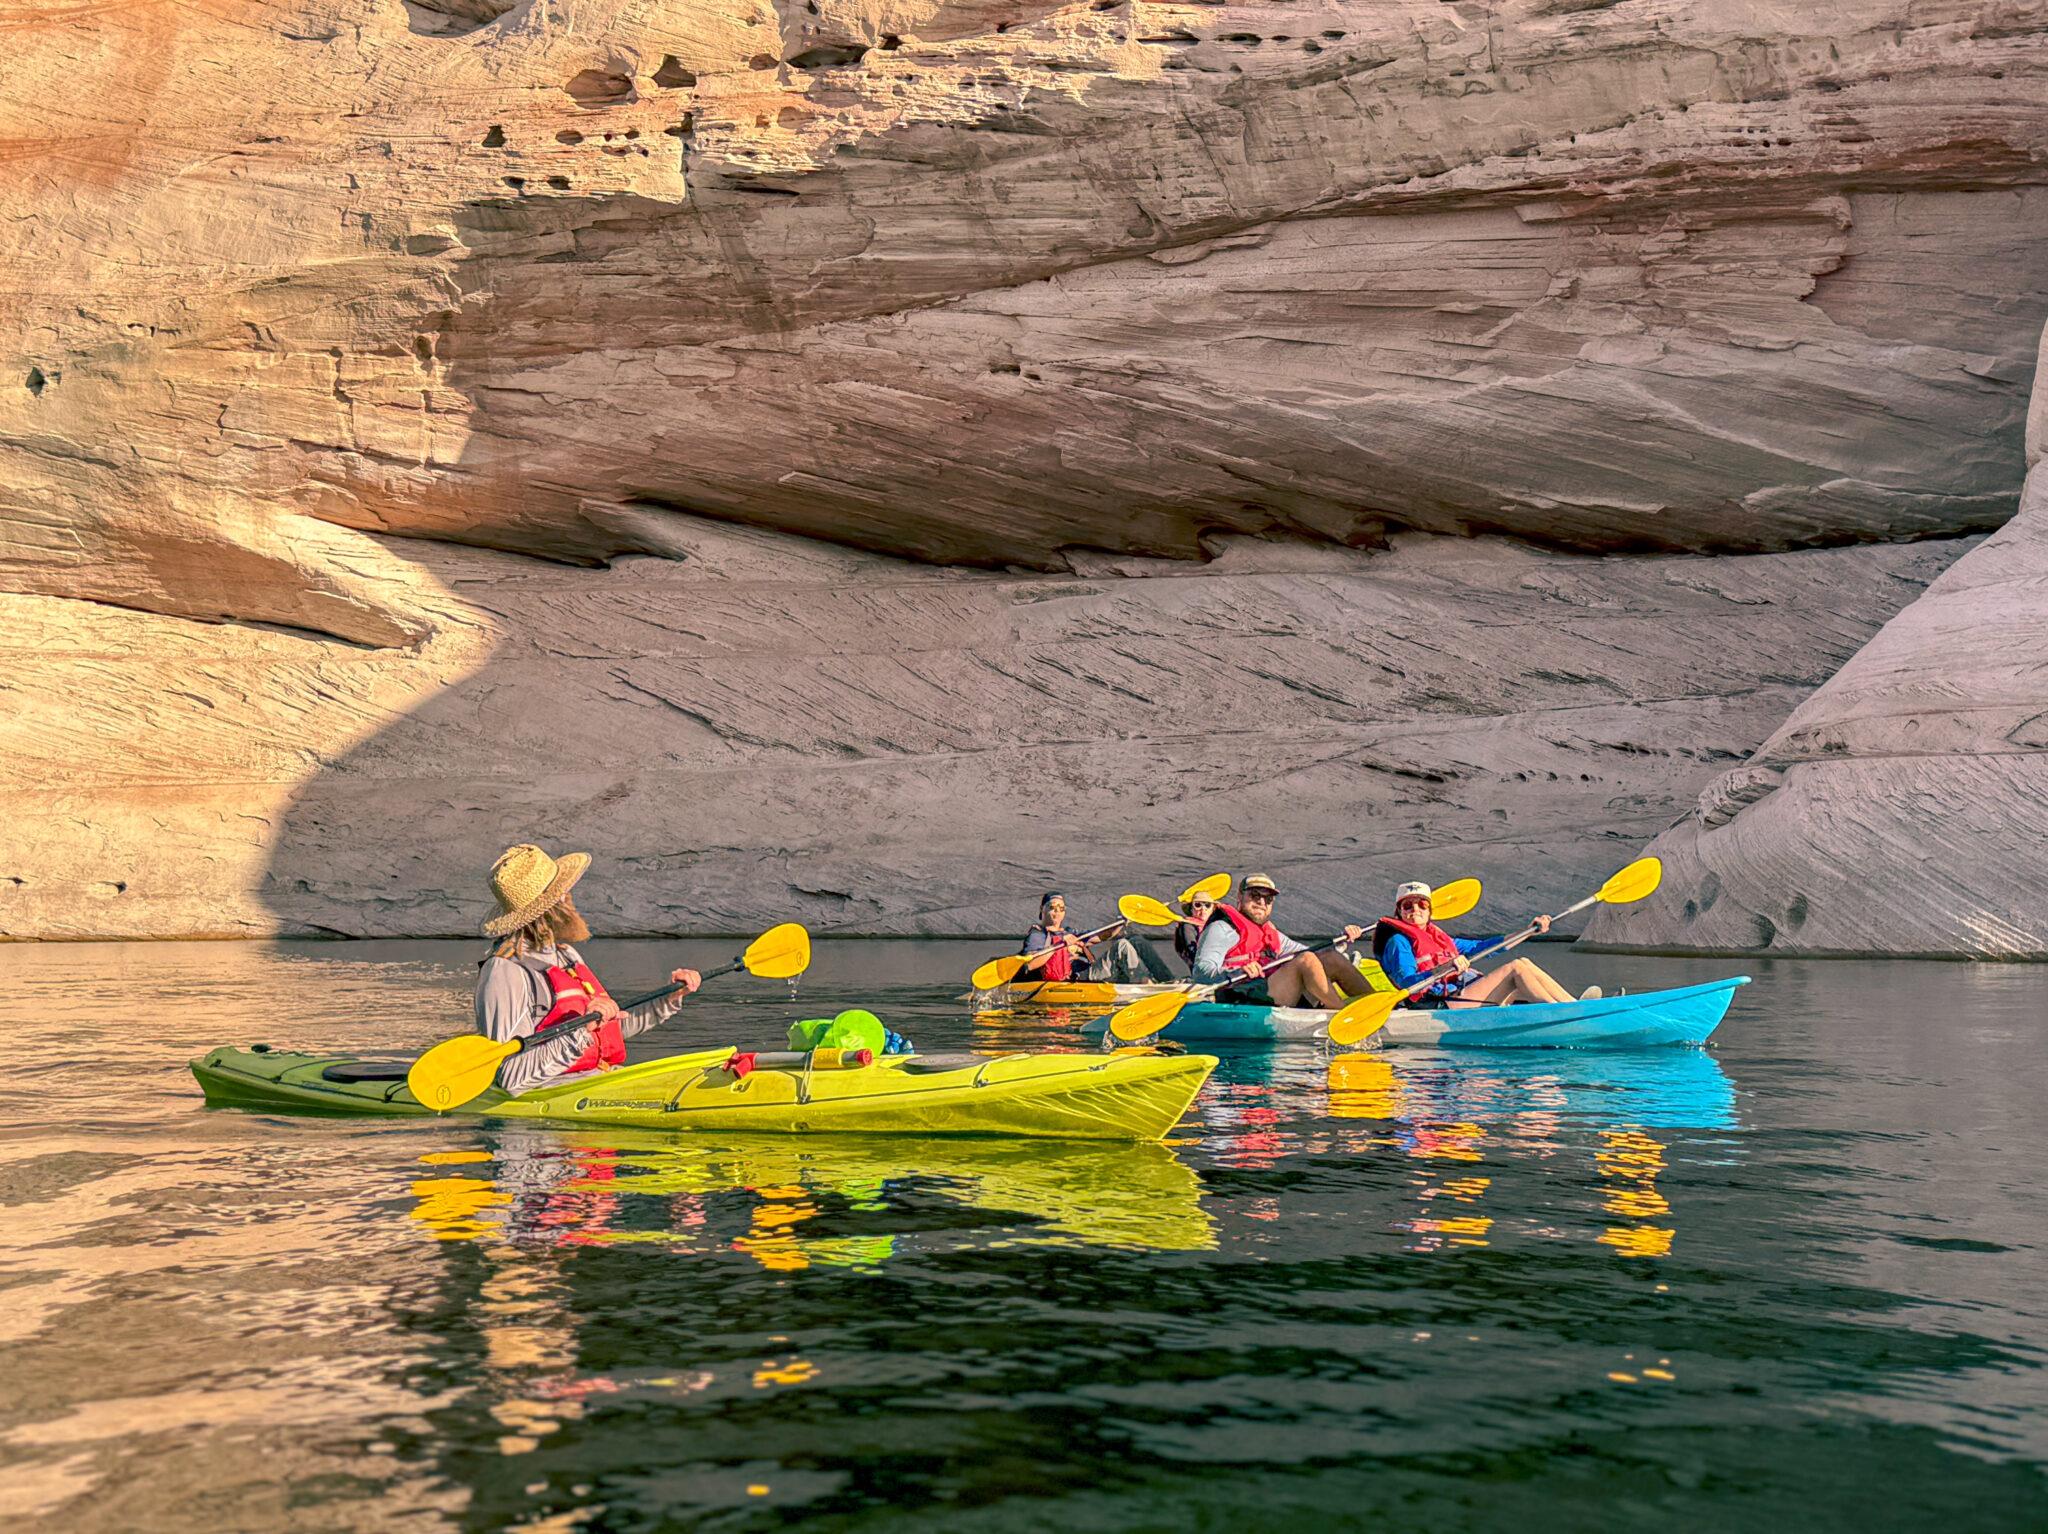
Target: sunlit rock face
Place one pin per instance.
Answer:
(1902, 808)
(974, 284)
(981, 282)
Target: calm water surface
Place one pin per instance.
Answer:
(1798, 1278)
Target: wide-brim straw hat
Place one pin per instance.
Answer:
(529, 884)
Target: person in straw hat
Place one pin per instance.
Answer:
(535, 981)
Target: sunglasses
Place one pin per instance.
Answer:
(1251, 895)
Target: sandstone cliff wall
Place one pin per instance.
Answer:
(772, 728)
(322, 304)
(1901, 809)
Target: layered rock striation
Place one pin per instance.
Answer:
(1902, 808)
(355, 336)
(773, 729)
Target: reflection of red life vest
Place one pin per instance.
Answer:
(573, 990)
(1061, 965)
(1433, 946)
(1255, 939)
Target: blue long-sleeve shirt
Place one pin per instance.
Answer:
(1399, 962)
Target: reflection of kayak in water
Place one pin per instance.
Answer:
(1661, 1089)
(1138, 1196)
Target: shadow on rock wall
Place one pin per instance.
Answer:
(773, 729)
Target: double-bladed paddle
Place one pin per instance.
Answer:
(1447, 904)
(1146, 1016)
(459, 1069)
(1359, 1020)
(997, 973)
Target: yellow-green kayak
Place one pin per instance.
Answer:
(1130, 1095)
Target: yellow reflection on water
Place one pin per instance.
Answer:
(529, 1332)
(772, 1241)
(1437, 1226)
(1529, 1111)
(1447, 1142)
(1458, 1230)
(794, 1371)
(451, 1207)
(567, 1189)
(1363, 1086)
(1629, 1161)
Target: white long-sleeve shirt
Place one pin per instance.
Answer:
(510, 999)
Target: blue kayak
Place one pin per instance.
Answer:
(1683, 1016)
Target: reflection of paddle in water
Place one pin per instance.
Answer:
(1440, 1105)
(1629, 1163)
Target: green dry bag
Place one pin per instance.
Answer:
(856, 1028)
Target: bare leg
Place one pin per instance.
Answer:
(1345, 977)
(1302, 981)
(1283, 984)
(1518, 980)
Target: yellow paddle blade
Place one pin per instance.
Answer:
(456, 1070)
(1448, 902)
(1146, 911)
(1216, 886)
(779, 953)
(1357, 1021)
(1633, 882)
(997, 973)
(1146, 1016)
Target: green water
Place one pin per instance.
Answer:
(1797, 1279)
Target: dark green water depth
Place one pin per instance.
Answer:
(1796, 1280)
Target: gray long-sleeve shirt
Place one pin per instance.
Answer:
(1218, 938)
(511, 998)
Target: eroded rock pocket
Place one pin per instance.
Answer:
(596, 88)
(453, 18)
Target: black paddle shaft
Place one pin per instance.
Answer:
(661, 995)
(1445, 971)
(1266, 966)
(1086, 938)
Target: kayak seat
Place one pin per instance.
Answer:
(367, 1070)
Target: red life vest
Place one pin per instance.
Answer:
(1061, 965)
(1255, 939)
(572, 990)
(1433, 946)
